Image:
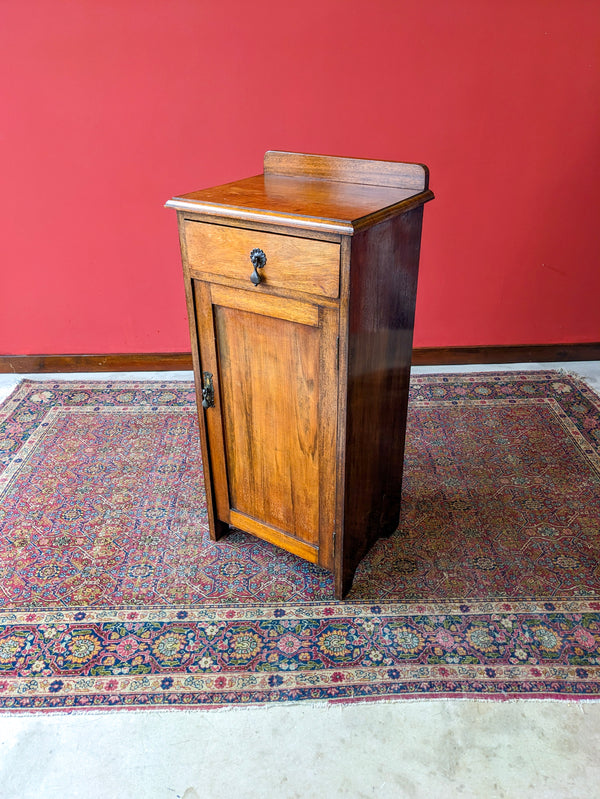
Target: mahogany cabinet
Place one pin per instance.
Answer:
(301, 287)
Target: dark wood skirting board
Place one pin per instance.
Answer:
(522, 353)
(116, 362)
(182, 361)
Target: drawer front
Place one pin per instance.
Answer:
(293, 263)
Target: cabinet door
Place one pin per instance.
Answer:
(272, 431)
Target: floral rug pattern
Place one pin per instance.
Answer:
(112, 594)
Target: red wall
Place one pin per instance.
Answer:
(111, 106)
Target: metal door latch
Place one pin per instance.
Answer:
(208, 390)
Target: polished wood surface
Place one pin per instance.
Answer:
(270, 419)
(293, 263)
(383, 266)
(347, 170)
(271, 433)
(275, 536)
(304, 312)
(302, 202)
(303, 440)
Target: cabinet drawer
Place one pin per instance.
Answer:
(293, 263)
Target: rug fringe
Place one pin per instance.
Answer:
(325, 706)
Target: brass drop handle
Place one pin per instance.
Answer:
(259, 259)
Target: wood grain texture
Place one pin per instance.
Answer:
(294, 263)
(347, 170)
(303, 202)
(328, 433)
(211, 431)
(381, 307)
(217, 528)
(274, 536)
(269, 374)
(266, 305)
(271, 433)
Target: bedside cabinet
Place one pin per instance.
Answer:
(301, 286)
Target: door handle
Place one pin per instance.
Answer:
(208, 390)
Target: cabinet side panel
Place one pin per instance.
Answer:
(217, 528)
(383, 285)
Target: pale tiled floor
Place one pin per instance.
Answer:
(413, 749)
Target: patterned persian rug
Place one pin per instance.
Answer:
(112, 595)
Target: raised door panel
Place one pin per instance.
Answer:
(272, 430)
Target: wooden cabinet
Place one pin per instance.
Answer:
(301, 287)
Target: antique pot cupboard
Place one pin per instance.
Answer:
(301, 288)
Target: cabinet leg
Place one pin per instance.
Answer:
(342, 583)
(390, 514)
(218, 530)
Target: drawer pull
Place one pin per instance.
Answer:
(259, 259)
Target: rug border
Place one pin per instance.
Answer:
(356, 606)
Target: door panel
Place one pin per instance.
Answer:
(272, 430)
(268, 373)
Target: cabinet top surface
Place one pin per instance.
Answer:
(302, 201)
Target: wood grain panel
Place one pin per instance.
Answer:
(328, 437)
(266, 305)
(347, 170)
(213, 447)
(294, 263)
(383, 284)
(274, 536)
(269, 380)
